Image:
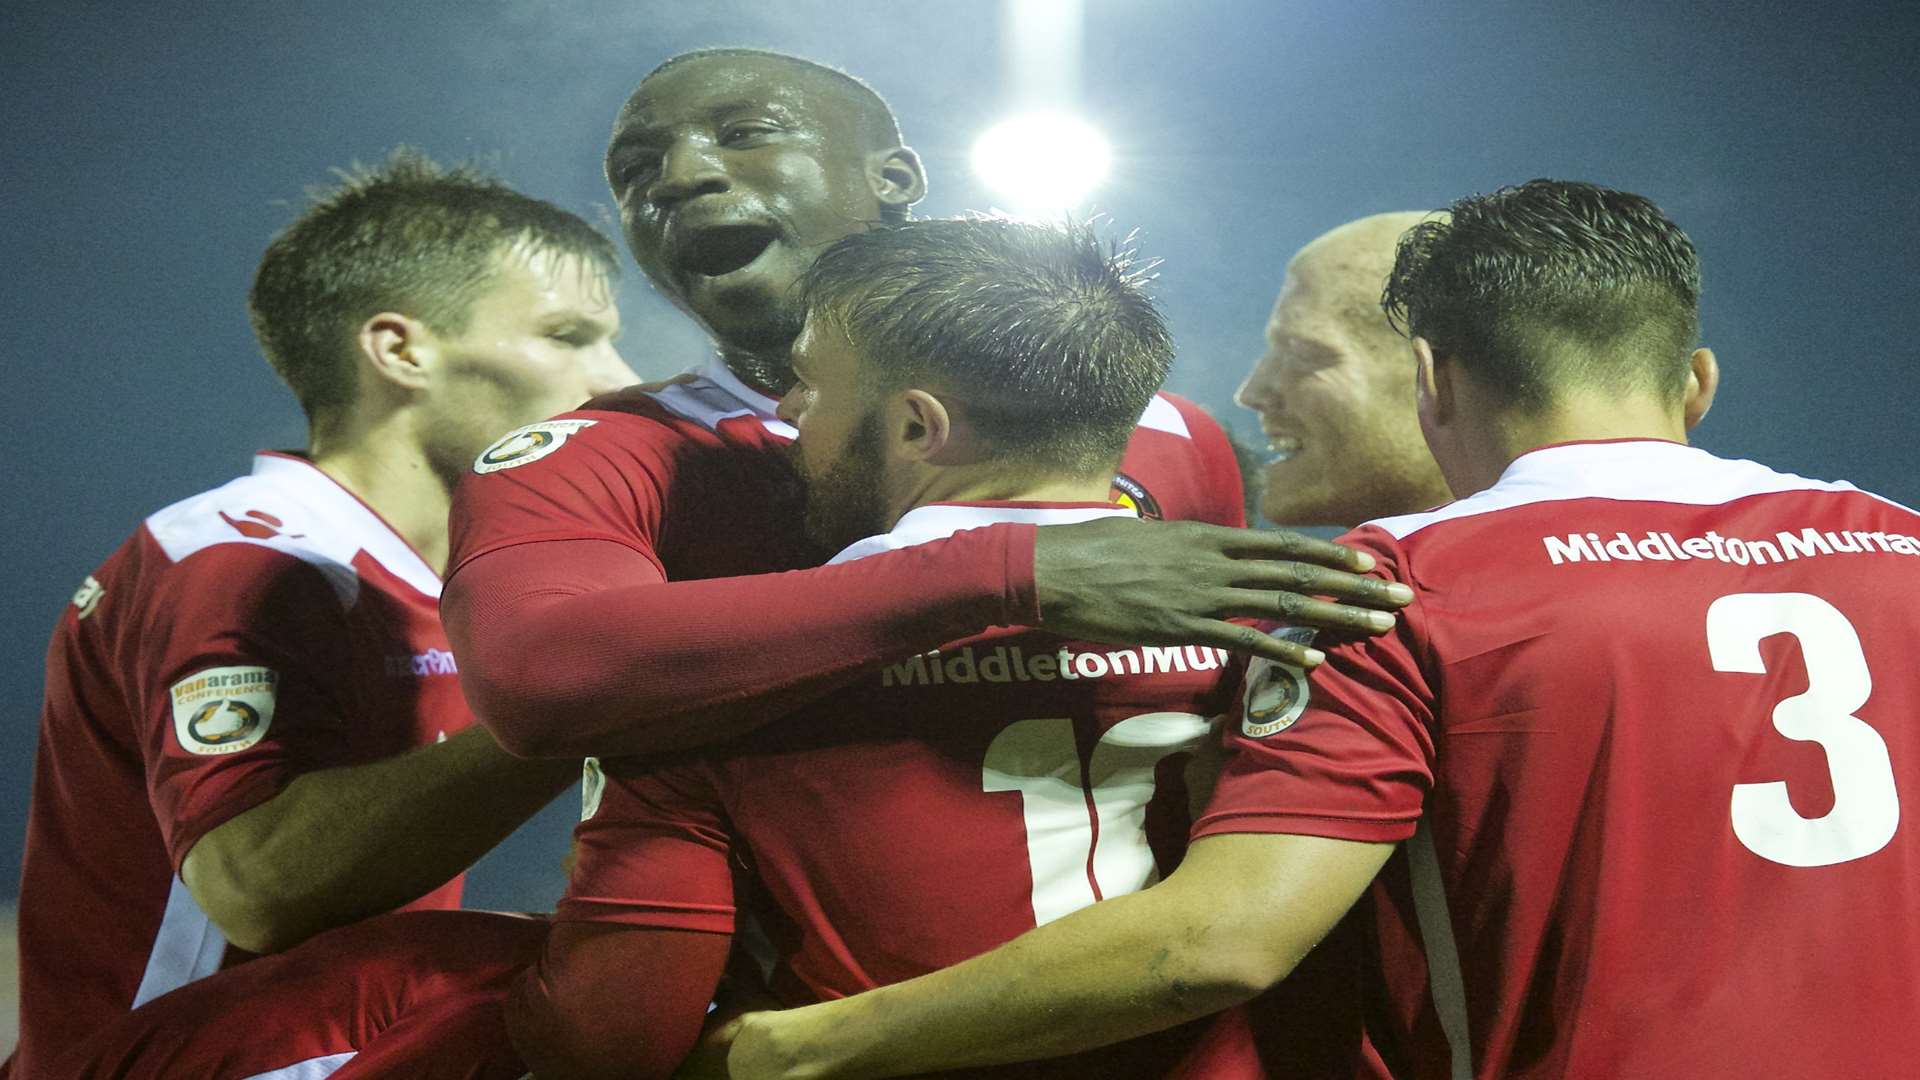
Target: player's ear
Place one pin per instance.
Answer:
(395, 349)
(1433, 389)
(1703, 380)
(921, 426)
(896, 177)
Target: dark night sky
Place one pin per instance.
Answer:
(151, 150)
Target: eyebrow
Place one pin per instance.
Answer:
(567, 320)
(643, 132)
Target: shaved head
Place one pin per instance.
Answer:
(1334, 388)
(878, 126)
(1351, 264)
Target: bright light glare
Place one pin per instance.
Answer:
(1042, 162)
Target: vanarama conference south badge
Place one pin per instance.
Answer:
(528, 444)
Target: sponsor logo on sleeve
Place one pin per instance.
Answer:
(1133, 495)
(528, 444)
(1276, 693)
(593, 784)
(223, 710)
(87, 597)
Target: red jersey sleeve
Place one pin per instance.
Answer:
(1219, 489)
(652, 849)
(234, 683)
(602, 487)
(571, 640)
(1345, 753)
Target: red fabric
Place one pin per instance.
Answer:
(1576, 734)
(271, 571)
(567, 1025)
(580, 646)
(598, 597)
(923, 814)
(411, 994)
(1192, 475)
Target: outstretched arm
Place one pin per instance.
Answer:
(1237, 916)
(337, 845)
(573, 647)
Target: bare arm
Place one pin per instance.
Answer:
(337, 845)
(1234, 919)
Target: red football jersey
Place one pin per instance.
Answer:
(1655, 714)
(936, 809)
(695, 476)
(269, 627)
(669, 511)
(413, 994)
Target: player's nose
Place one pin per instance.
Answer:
(689, 167)
(1258, 391)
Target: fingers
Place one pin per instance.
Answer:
(1312, 580)
(1285, 544)
(1296, 609)
(1249, 641)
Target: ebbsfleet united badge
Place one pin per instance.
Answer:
(223, 710)
(528, 444)
(1276, 693)
(1131, 494)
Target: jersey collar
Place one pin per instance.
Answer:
(352, 520)
(937, 521)
(716, 395)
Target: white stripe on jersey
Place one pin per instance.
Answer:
(187, 947)
(1163, 415)
(1445, 981)
(311, 1069)
(319, 522)
(1638, 471)
(717, 394)
(937, 521)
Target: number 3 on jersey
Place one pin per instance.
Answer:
(1086, 828)
(1866, 807)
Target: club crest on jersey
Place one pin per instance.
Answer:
(1131, 494)
(223, 710)
(1276, 693)
(527, 444)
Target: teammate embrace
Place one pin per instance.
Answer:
(1577, 775)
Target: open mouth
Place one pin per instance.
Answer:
(1281, 448)
(722, 249)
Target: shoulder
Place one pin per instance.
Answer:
(1180, 464)
(251, 530)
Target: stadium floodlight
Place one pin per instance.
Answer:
(1042, 163)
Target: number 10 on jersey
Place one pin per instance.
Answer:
(1086, 827)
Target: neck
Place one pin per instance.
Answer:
(1578, 419)
(388, 469)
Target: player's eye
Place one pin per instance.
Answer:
(746, 132)
(634, 169)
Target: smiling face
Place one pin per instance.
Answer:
(837, 452)
(1334, 390)
(730, 171)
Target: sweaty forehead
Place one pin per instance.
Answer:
(698, 89)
